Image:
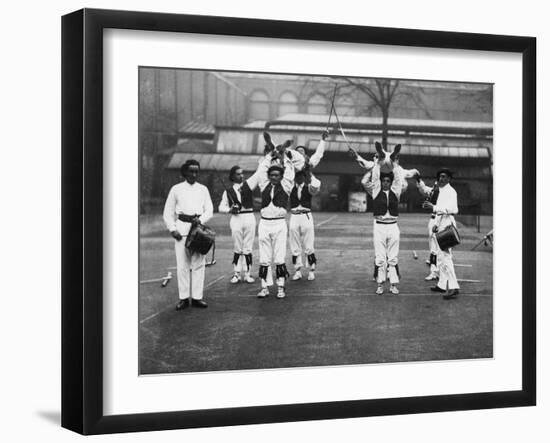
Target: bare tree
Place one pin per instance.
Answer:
(381, 93)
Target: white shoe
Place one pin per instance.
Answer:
(235, 279)
(428, 262)
(297, 276)
(311, 276)
(263, 293)
(431, 277)
(281, 292)
(248, 279)
(394, 290)
(380, 290)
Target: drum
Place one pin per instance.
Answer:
(447, 238)
(200, 239)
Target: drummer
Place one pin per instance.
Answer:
(445, 207)
(188, 203)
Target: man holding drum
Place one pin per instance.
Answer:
(188, 203)
(444, 209)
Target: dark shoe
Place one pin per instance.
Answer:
(437, 289)
(199, 303)
(182, 304)
(452, 294)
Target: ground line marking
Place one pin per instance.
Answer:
(326, 221)
(165, 309)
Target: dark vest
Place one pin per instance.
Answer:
(381, 206)
(305, 199)
(434, 194)
(280, 197)
(246, 196)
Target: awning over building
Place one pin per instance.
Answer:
(299, 121)
(219, 162)
(409, 149)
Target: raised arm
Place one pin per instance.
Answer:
(364, 163)
(426, 190)
(370, 186)
(288, 176)
(318, 154)
(399, 183)
(169, 213)
(260, 176)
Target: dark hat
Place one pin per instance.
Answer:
(275, 168)
(444, 171)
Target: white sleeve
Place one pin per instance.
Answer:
(364, 163)
(318, 154)
(288, 176)
(314, 186)
(169, 213)
(297, 159)
(260, 176)
(208, 208)
(426, 190)
(224, 204)
(399, 183)
(367, 183)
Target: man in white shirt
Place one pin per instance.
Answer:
(444, 209)
(238, 200)
(188, 203)
(301, 227)
(275, 178)
(385, 193)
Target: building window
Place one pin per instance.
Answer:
(317, 104)
(259, 105)
(288, 103)
(345, 106)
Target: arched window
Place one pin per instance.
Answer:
(259, 105)
(344, 105)
(317, 104)
(288, 103)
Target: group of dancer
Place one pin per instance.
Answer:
(286, 182)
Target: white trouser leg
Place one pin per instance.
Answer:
(279, 235)
(447, 275)
(198, 262)
(392, 251)
(249, 229)
(190, 270)
(379, 240)
(294, 239)
(237, 235)
(308, 233)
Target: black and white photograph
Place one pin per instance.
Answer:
(295, 220)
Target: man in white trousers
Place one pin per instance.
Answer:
(445, 208)
(301, 227)
(238, 200)
(188, 203)
(385, 193)
(275, 186)
(432, 194)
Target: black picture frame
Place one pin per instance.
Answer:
(82, 220)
